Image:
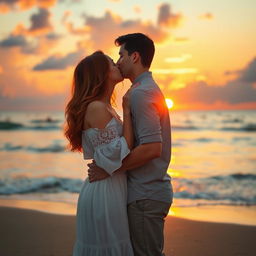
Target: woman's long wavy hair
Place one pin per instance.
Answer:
(89, 84)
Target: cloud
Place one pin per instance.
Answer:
(36, 45)
(77, 31)
(240, 90)
(14, 41)
(249, 73)
(40, 24)
(167, 18)
(8, 5)
(100, 32)
(37, 38)
(18, 41)
(101, 37)
(233, 92)
(42, 44)
(40, 21)
(53, 36)
(70, 26)
(59, 62)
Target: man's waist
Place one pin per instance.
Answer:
(160, 194)
(149, 184)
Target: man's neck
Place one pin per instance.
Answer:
(137, 73)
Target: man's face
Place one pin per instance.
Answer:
(124, 62)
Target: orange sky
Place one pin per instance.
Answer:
(205, 50)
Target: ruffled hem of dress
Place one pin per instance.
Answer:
(118, 249)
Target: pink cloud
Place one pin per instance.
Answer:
(100, 36)
(102, 31)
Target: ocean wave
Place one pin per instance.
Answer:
(181, 127)
(52, 149)
(184, 141)
(251, 127)
(55, 148)
(43, 185)
(8, 125)
(236, 176)
(236, 188)
(46, 120)
(203, 140)
(43, 126)
(234, 120)
(51, 124)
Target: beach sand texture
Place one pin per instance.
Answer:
(33, 233)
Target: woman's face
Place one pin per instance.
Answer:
(114, 72)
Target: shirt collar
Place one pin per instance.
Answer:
(142, 76)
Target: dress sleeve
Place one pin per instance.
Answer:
(109, 149)
(87, 147)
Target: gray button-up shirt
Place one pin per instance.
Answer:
(151, 123)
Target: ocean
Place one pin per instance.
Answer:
(213, 158)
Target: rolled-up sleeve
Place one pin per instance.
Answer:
(146, 116)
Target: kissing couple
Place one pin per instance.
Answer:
(124, 201)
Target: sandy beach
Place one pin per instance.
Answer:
(29, 233)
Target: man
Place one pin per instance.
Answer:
(149, 188)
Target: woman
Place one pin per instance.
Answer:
(94, 127)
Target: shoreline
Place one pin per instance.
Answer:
(239, 215)
(29, 232)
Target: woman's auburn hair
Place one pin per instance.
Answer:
(89, 84)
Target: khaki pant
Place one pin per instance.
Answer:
(146, 223)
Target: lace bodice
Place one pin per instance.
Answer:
(94, 137)
(104, 136)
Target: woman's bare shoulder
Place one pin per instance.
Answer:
(97, 114)
(95, 105)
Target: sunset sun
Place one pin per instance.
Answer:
(169, 103)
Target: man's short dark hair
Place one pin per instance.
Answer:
(138, 42)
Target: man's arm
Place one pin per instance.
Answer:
(142, 155)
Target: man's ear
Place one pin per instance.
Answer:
(135, 57)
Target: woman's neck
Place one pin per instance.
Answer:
(107, 97)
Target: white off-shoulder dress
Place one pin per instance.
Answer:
(102, 223)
